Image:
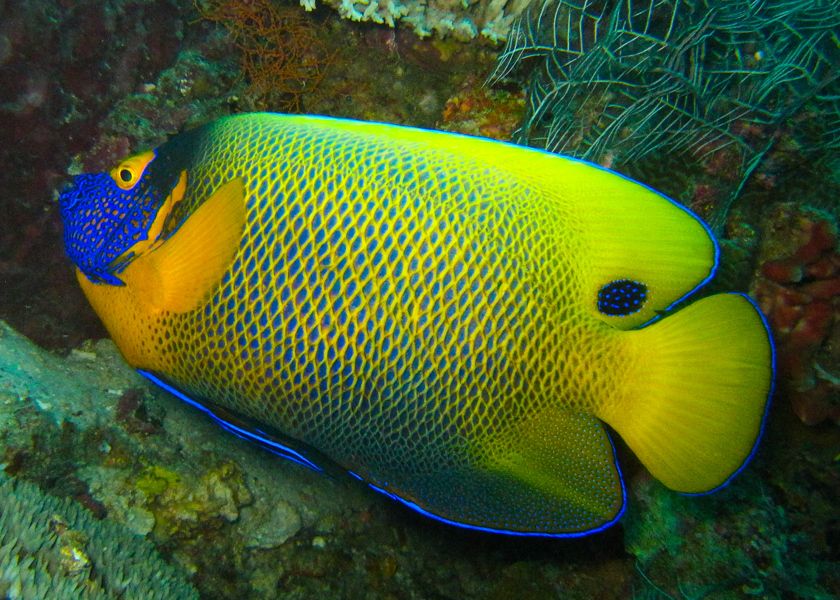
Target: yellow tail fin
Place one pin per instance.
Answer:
(696, 399)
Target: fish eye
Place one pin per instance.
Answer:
(130, 171)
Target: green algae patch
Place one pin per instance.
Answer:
(156, 480)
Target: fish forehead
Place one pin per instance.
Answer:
(380, 292)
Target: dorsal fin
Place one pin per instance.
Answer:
(642, 246)
(618, 230)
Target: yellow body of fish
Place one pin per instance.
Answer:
(423, 308)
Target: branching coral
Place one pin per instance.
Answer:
(461, 19)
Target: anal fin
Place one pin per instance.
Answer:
(553, 475)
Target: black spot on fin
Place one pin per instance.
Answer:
(622, 297)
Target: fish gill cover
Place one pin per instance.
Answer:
(616, 81)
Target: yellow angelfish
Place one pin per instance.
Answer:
(450, 319)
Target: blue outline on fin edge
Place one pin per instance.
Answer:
(766, 403)
(685, 209)
(576, 534)
(268, 444)
(664, 312)
(286, 452)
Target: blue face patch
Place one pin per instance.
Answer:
(622, 297)
(103, 219)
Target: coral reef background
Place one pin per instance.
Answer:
(54, 548)
(619, 82)
(84, 84)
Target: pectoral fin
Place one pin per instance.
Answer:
(179, 275)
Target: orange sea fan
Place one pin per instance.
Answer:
(281, 55)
